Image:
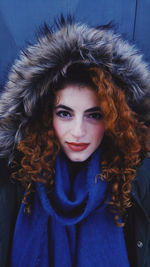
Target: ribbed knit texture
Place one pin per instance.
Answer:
(72, 227)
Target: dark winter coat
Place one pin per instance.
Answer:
(10, 198)
(30, 78)
(137, 229)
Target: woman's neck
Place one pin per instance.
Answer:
(75, 167)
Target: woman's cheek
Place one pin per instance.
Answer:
(59, 129)
(99, 131)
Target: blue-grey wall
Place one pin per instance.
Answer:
(19, 20)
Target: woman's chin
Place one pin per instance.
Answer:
(78, 158)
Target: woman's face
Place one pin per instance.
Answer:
(77, 121)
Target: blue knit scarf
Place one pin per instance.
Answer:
(72, 227)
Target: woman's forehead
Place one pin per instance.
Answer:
(77, 97)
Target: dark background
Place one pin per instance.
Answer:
(20, 19)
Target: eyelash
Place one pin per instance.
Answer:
(66, 115)
(63, 114)
(96, 116)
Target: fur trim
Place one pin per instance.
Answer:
(51, 55)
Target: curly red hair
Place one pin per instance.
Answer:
(124, 146)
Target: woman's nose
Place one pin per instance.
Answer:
(78, 128)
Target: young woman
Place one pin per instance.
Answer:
(74, 119)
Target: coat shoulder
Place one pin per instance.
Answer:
(141, 186)
(11, 194)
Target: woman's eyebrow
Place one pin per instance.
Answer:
(64, 107)
(70, 109)
(93, 109)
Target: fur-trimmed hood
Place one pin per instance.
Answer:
(51, 55)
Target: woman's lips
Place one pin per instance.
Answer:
(78, 146)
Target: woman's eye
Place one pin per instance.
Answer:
(95, 116)
(63, 114)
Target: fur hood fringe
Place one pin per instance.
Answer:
(53, 53)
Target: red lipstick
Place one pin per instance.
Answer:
(78, 146)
